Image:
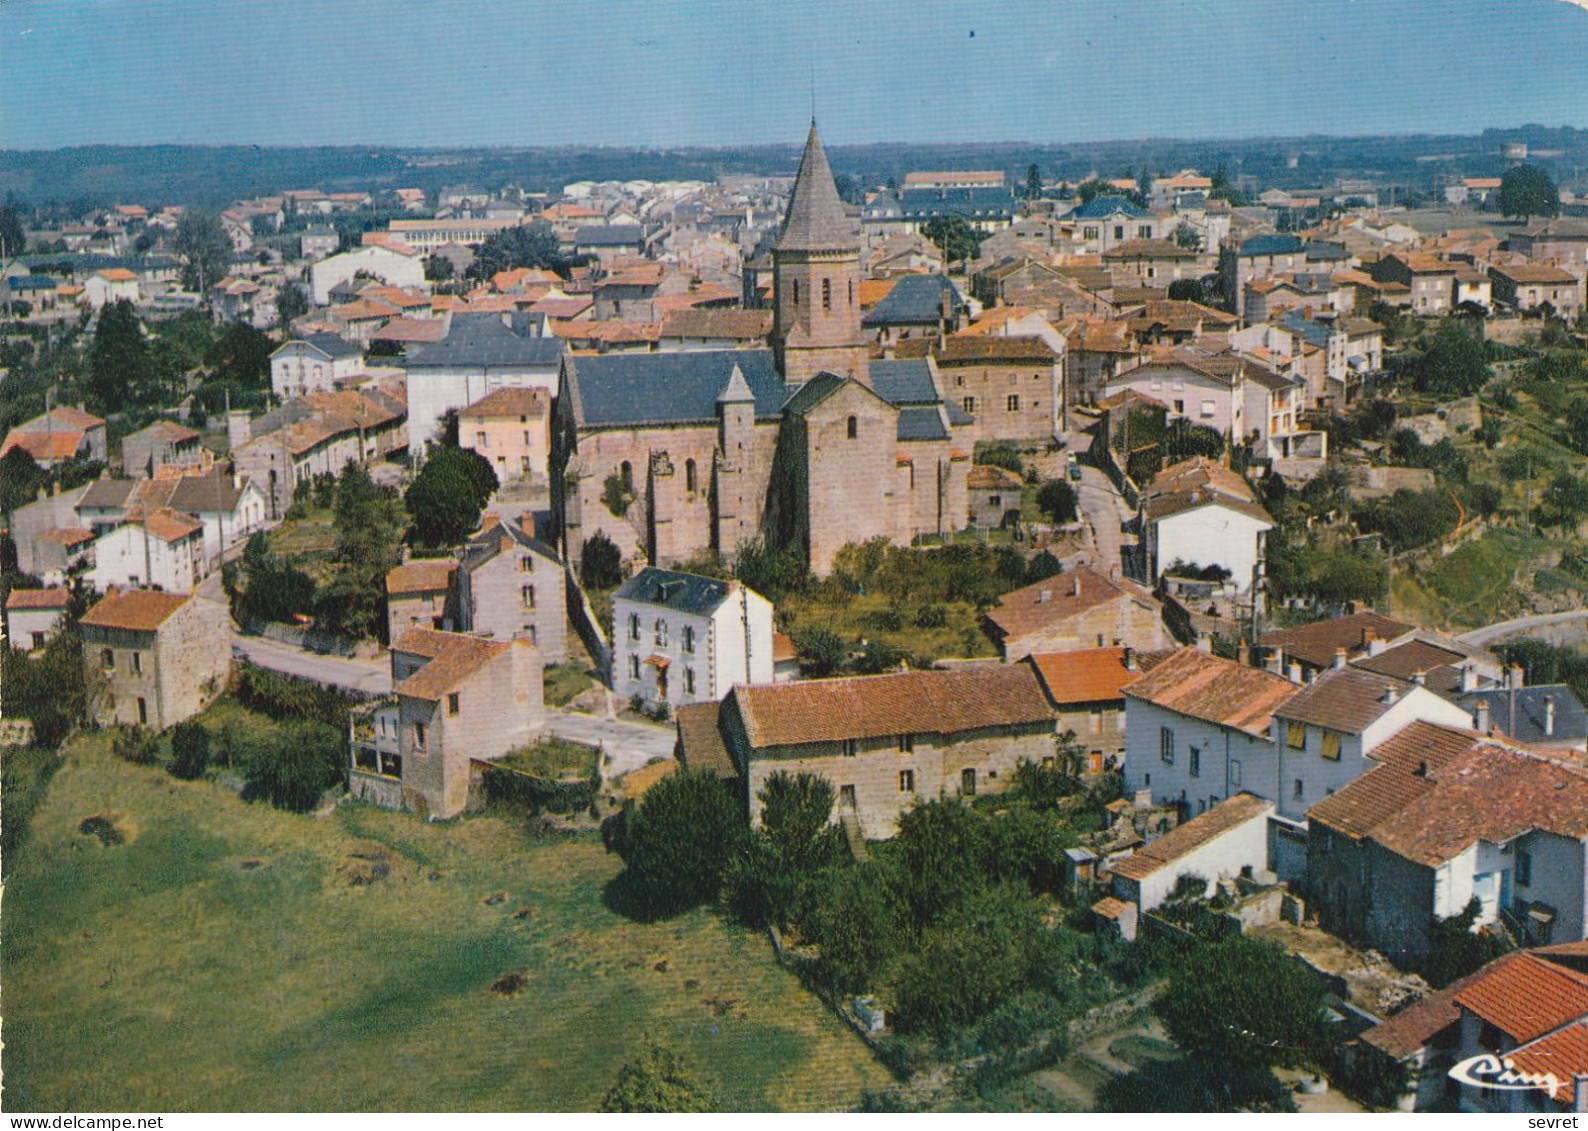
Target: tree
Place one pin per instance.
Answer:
(13, 239)
(439, 269)
(1183, 440)
(528, 245)
(769, 569)
(295, 765)
(1565, 502)
(1526, 191)
(291, 304)
(1186, 236)
(1456, 950)
(954, 237)
(201, 243)
(242, 356)
(822, 652)
(20, 479)
(1058, 500)
(1243, 1003)
(369, 526)
(119, 369)
(658, 1080)
(796, 816)
(1090, 190)
(448, 495)
(190, 750)
(676, 843)
(1454, 362)
(1034, 182)
(601, 566)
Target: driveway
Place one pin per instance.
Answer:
(368, 677)
(627, 745)
(1104, 511)
(1489, 634)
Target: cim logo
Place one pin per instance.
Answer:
(1499, 1074)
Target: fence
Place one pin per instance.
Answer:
(588, 627)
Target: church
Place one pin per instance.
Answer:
(809, 443)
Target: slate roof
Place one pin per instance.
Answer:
(932, 702)
(1185, 839)
(907, 382)
(1271, 245)
(682, 592)
(476, 340)
(1203, 686)
(616, 390)
(815, 219)
(452, 659)
(971, 203)
(106, 494)
(140, 610)
(1349, 700)
(328, 344)
(1571, 720)
(609, 235)
(915, 300)
(1106, 205)
(921, 423)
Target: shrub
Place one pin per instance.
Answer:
(676, 843)
(136, 745)
(1058, 500)
(931, 616)
(601, 566)
(294, 767)
(190, 750)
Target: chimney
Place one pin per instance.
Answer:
(1549, 716)
(1130, 661)
(1469, 678)
(1044, 596)
(1518, 678)
(1075, 584)
(526, 523)
(1420, 678)
(1204, 642)
(1243, 654)
(1276, 660)
(1376, 646)
(1339, 659)
(1480, 717)
(1368, 636)
(1293, 671)
(1579, 1091)
(1390, 694)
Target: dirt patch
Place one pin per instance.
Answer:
(524, 913)
(725, 1007)
(509, 984)
(105, 828)
(691, 983)
(250, 865)
(366, 863)
(660, 967)
(495, 898)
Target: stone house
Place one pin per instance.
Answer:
(1012, 388)
(511, 430)
(1561, 242)
(459, 698)
(163, 656)
(59, 435)
(1106, 222)
(163, 549)
(312, 364)
(165, 443)
(882, 742)
(1446, 816)
(1079, 609)
(916, 306)
(418, 595)
(681, 638)
(1431, 279)
(32, 615)
(1254, 258)
(994, 495)
(511, 585)
(1086, 688)
(1098, 350)
(1528, 286)
(1156, 262)
(317, 434)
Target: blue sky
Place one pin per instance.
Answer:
(494, 72)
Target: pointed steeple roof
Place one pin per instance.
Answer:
(737, 390)
(816, 220)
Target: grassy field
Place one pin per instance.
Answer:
(554, 758)
(1473, 585)
(226, 956)
(960, 635)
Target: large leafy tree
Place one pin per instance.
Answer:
(954, 237)
(659, 1080)
(119, 366)
(447, 496)
(1526, 191)
(242, 356)
(291, 304)
(528, 245)
(20, 479)
(677, 843)
(1454, 363)
(200, 241)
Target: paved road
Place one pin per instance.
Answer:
(627, 746)
(1488, 634)
(1104, 511)
(371, 677)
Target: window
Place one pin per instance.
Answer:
(851, 747)
(481, 441)
(1235, 774)
(634, 626)
(967, 783)
(38, 641)
(526, 564)
(1524, 867)
(1166, 745)
(853, 428)
(1012, 404)
(689, 681)
(1090, 232)
(634, 667)
(851, 292)
(1330, 747)
(1119, 231)
(527, 595)
(523, 465)
(1144, 231)
(796, 292)
(1299, 789)
(1295, 736)
(419, 735)
(452, 703)
(995, 500)
(846, 797)
(143, 712)
(529, 633)
(661, 633)
(107, 660)
(689, 638)
(689, 476)
(906, 781)
(627, 474)
(1195, 761)
(968, 403)
(907, 744)
(1095, 721)
(827, 294)
(137, 663)
(1207, 410)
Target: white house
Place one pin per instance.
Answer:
(230, 508)
(480, 354)
(111, 284)
(398, 267)
(682, 638)
(164, 550)
(1201, 513)
(1204, 389)
(32, 615)
(308, 365)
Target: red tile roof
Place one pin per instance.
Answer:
(420, 577)
(38, 599)
(142, 610)
(1527, 998)
(511, 402)
(1418, 1024)
(1184, 839)
(1091, 675)
(1562, 1054)
(1059, 598)
(1215, 690)
(1315, 644)
(453, 658)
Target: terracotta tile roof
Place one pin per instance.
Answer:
(511, 402)
(453, 658)
(1405, 660)
(1092, 675)
(937, 702)
(73, 418)
(68, 535)
(1535, 273)
(1059, 598)
(1149, 249)
(983, 349)
(700, 739)
(1349, 700)
(744, 325)
(1187, 838)
(873, 291)
(116, 275)
(38, 599)
(1417, 1025)
(636, 783)
(783, 648)
(1215, 690)
(1527, 998)
(1110, 907)
(141, 610)
(986, 477)
(1376, 796)
(420, 577)
(54, 445)
(1562, 1054)
(1204, 473)
(412, 330)
(1316, 643)
(563, 306)
(170, 525)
